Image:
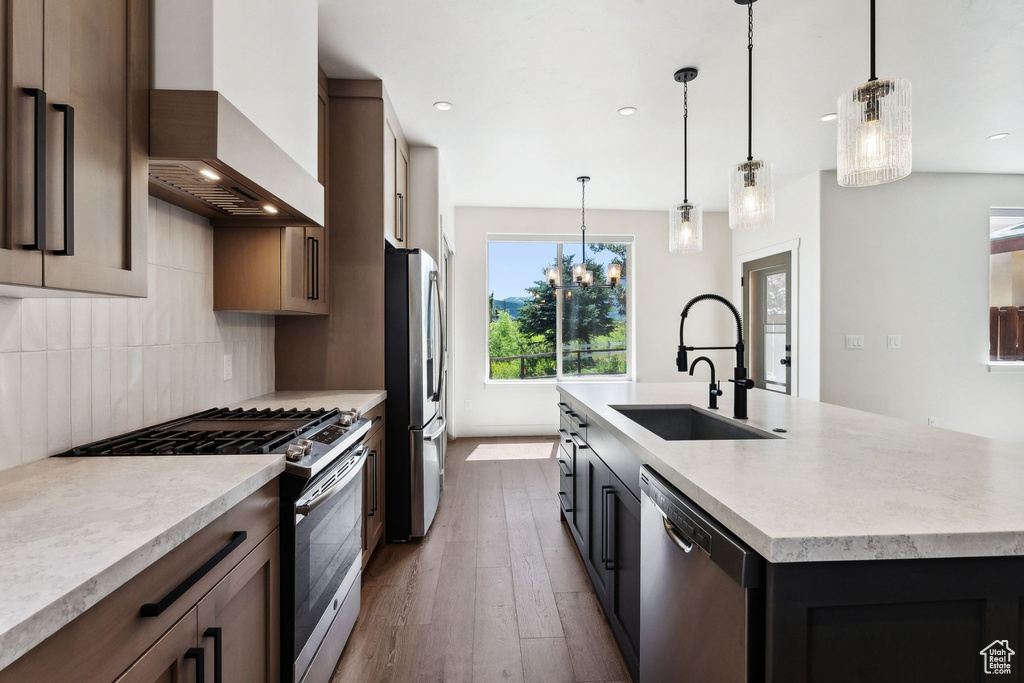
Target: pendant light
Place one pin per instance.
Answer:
(685, 229)
(581, 276)
(751, 195)
(873, 145)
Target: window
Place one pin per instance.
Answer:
(537, 332)
(1006, 285)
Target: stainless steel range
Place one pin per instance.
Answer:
(321, 512)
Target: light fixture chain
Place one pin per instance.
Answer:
(750, 81)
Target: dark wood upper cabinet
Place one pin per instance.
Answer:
(76, 116)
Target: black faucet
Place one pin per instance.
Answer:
(715, 388)
(740, 379)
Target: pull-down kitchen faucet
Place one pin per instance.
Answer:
(740, 374)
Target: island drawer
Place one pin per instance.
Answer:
(573, 419)
(105, 639)
(620, 460)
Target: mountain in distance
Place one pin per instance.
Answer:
(512, 305)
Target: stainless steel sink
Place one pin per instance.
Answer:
(689, 423)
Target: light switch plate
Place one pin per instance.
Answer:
(855, 341)
(893, 341)
(228, 374)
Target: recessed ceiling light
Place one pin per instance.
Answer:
(998, 136)
(270, 208)
(830, 117)
(443, 106)
(627, 111)
(209, 174)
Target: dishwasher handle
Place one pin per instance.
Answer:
(681, 542)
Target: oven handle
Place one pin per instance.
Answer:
(307, 508)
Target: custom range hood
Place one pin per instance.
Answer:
(208, 158)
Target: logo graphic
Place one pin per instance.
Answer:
(997, 657)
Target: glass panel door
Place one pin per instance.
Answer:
(767, 310)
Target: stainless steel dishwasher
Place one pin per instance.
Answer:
(701, 603)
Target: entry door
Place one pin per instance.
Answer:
(767, 308)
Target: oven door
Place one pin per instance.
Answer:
(328, 551)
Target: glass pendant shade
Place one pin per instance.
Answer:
(553, 276)
(614, 273)
(686, 229)
(751, 195)
(874, 141)
(579, 271)
(588, 278)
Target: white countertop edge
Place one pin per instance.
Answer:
(326, 398)
(33, 630)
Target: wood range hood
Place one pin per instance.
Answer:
(208, 158)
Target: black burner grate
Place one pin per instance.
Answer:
(218, 431)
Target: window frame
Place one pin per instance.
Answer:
(558, 240)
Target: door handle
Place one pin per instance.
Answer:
(39, 168)
(401, 217)
(197, 654)
(69, 179)
(787, 361)
(316, 269)
(216, 633)
(155, 609)
(312, 271)
(609, 562)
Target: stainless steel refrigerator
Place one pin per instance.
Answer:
(414, 371)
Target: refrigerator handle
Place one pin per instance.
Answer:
(435, 278)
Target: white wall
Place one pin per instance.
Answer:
(260, 54)
(76, 370)
(912, 258)
(662, 283)
(797, 218)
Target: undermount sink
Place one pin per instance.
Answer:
(689, 423)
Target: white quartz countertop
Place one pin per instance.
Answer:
(73, 530)
(334, 398)
(841, 485)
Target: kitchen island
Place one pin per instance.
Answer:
(892, 551)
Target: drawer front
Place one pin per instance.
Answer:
(620, 460)
(104, 641)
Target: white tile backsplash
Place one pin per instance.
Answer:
(76, 370)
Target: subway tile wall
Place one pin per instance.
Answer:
(76, 370)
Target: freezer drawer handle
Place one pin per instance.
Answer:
(155, 609)
(670, 529)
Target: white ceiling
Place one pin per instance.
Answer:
(536, 85)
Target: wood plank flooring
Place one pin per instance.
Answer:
(497, 590)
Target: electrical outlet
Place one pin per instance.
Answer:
(468, 403)
(893, 341)
(228, 374)
(855, 341)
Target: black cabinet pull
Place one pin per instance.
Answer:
(563, 498)
(155, 609)
(316, 266)
(312, 270)
(69, 179)
(376, 480)
(578, 441)
(608, 527)
(604, 525)
(197, 654)
(373, 483)
(216, 633)
(401, 218)
(564, 434)
(565, 469)
(564, 407)
(580, 423)
(39, 169)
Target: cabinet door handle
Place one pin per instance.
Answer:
(579, 442)
(609, 526)
(563, 498)
(564, 434)
(604, 525)
(197, 654)
(39, 168)
(155, 609)
(316, 267)
(401, 217)
(565, 469)
(372, 476)
(376, 481)
(69, 179)
(312, 273)
(216, 633)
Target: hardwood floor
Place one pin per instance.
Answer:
(497, 590)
